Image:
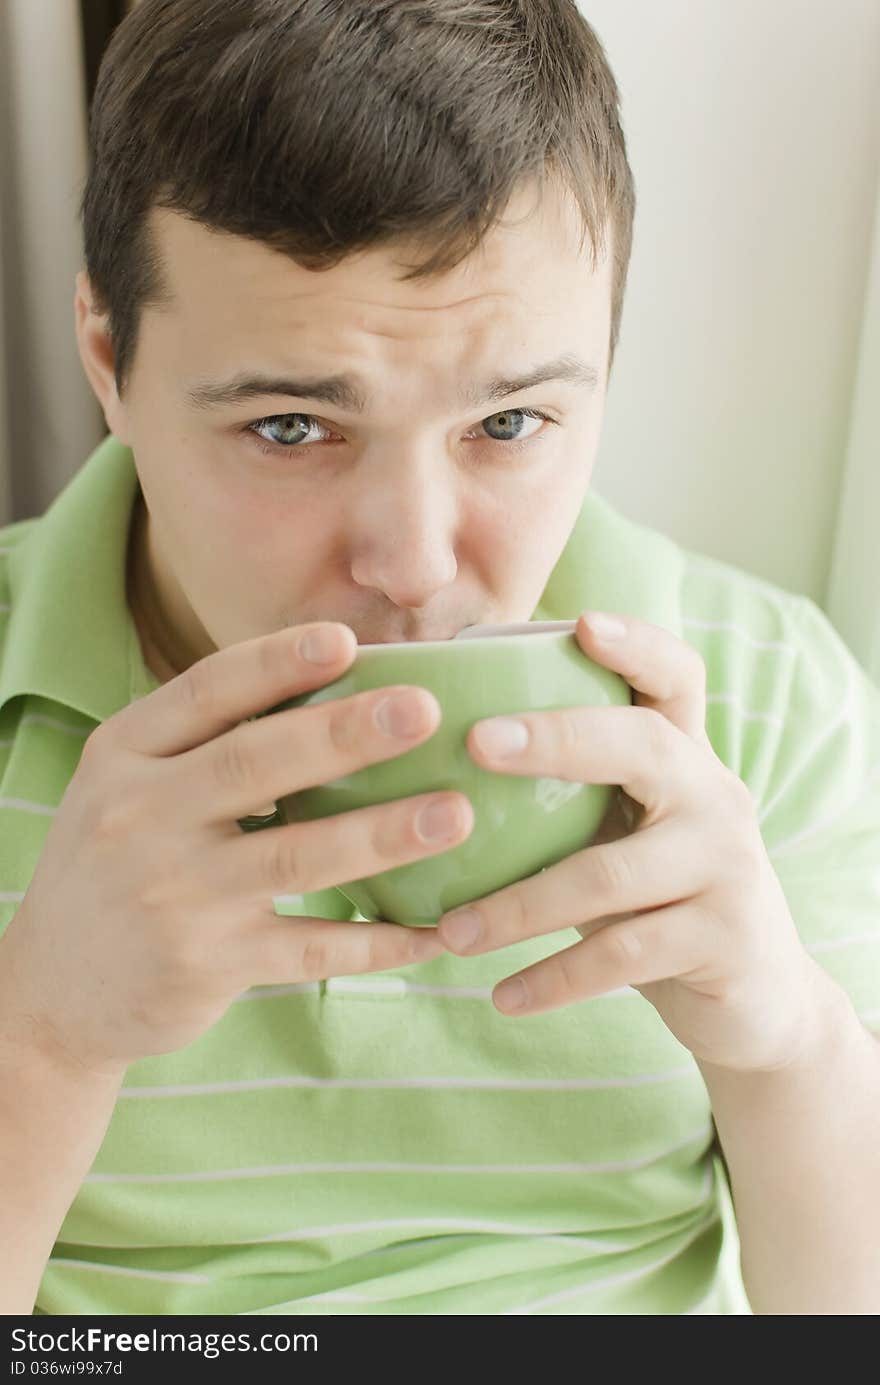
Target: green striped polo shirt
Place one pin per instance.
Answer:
(390, 1143)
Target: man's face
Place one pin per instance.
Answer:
(409, 518)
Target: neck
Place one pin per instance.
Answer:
(141, 601)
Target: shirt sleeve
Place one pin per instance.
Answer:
(819, 805)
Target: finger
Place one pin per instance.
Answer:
(654, 946)
(665, 673)
(303, 857)
(217, 692)
(651, 759)
(643, 871)
(281, 754)
(288, 950)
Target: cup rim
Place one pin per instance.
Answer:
(483, 634)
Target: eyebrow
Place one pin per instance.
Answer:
(345, 391)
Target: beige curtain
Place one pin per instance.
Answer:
(49, 418)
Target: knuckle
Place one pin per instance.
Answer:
(517, 909)
(393, 832)
(114, 820)
(620, 945)
(273, 659)
(741, 865)
(657, 734)
(197, 686)
(697, 668)
(314, 959)
(388, 946)
(612, 875)
(185, 953)
(737, 830)
(341, 728)
(151, 1011)
(154, 899)
(282, 863)
(568, 730)
(409, 948)
(567, 985)
(385, 950)
(740, 795)
(175, 945)
(96, 746)
(167, 893)
(234, 764)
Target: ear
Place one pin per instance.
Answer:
(97, 356)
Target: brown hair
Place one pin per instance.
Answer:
(324, 127)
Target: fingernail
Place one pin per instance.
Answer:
(512, 994)
(401, 715)
(438, 821)
(605, 627)
(462, 929)
(501, 736)
(320, 646)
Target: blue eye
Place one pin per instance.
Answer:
(294, 427)
(295, 430)
(511, 419)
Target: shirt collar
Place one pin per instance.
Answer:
(70, 636)
(612, 563)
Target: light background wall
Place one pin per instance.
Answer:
(753, 130)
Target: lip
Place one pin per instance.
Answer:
(418, 639)
(509, 630)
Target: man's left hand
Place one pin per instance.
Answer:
(675, 895)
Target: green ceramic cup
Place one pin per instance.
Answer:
(521, 824)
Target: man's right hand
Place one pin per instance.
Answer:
(150, 910)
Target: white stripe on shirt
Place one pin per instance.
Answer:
(705, 1133)
(481, 1084)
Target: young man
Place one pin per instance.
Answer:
(353, 287)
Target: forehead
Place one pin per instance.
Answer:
(528, 283)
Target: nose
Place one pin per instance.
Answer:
(403, 531)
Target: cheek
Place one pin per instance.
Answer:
(517, 544)
(528, 517)
(278, 536)
(242, 530)
(502, 541)
(251, 505)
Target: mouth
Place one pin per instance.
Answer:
(414, 639)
